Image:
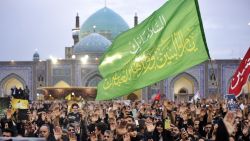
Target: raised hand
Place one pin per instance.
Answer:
(126, 137)
(192, 108)
(245, 131)
(9, 114)
(239, 114)
(229, 121)
(94, 118)
(198, 111)
(150, 127)
(58, 132)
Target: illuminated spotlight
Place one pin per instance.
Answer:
(37, 94)
(84, 59)
(50, 95)
(73, 56)
(86, 56)
(53, 59)
(96, 58)
(73, 93)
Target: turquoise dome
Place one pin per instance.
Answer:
(94, 42)
(106, 22)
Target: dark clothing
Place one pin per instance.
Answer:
(8, 123)
(74, 117)
(166, 136)
(222, 134)
(51, 138)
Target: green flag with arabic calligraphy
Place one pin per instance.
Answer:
(168, 42)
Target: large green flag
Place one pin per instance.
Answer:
(168, 42)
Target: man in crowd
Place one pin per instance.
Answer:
(7, 133)
(74, 116)
(116, 121)
(44, 132)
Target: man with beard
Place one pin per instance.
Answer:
(175, 133)
(44, 132)
(197, 129)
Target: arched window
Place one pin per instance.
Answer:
(10, 81)
(94, 80)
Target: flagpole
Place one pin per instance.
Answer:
(203, 36)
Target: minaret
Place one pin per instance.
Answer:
(135, 20)
(77, 21)
(75, 31)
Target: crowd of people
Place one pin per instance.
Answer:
(164, 120)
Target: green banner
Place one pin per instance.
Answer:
(168, 42)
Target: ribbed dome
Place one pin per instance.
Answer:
(106, 22)
(94, 42)
(36, 56)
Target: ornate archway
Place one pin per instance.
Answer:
(183, 87)
(92, 79)
(10, 81)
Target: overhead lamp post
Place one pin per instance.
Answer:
(85, 59)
